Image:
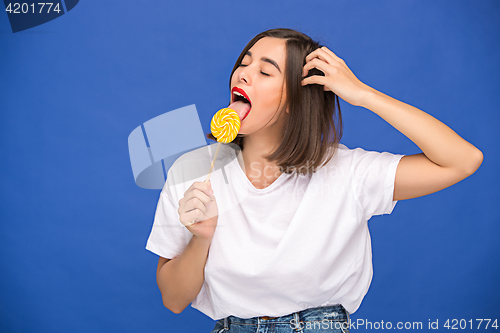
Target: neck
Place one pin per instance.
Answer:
(259, 170)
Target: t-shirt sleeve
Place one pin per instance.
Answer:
(168, 236)
(374, 177)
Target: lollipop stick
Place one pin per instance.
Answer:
(213, 162)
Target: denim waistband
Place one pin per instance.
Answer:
(331, 313)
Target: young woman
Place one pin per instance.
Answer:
(286, 242)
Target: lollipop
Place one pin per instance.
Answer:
(224, 126)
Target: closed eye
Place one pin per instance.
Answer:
(261, 72)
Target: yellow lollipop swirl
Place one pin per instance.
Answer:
(225, 125)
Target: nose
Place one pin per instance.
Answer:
(243, 75)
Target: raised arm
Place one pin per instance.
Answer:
(446, 158)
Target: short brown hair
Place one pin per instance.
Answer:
(310, 129)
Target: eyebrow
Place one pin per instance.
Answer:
(271, 61)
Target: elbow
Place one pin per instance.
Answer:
(175, 308)
(475, 161)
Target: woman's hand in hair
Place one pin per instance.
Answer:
(338, 77)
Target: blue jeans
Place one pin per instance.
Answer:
(326, 319)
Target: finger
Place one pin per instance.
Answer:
(331, 54)
(194, 216)
(315, 79)
(315, 63)
(201, 186)
(329, 57)
(191, 204)
(337, 58)
(188, 218)
(210, 213)
(205, 187)
(200, 215)
(195, 193)
(320, 54)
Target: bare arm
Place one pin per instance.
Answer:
(180, 279)
(446, 158)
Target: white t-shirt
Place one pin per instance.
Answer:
(299, 243)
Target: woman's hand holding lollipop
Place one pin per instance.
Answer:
(198, 210)
(338, 77)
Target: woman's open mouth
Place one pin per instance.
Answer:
(240, 103)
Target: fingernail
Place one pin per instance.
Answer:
(211, 192)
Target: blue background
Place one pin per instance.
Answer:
(74, 224)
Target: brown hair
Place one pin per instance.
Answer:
(310, 128)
